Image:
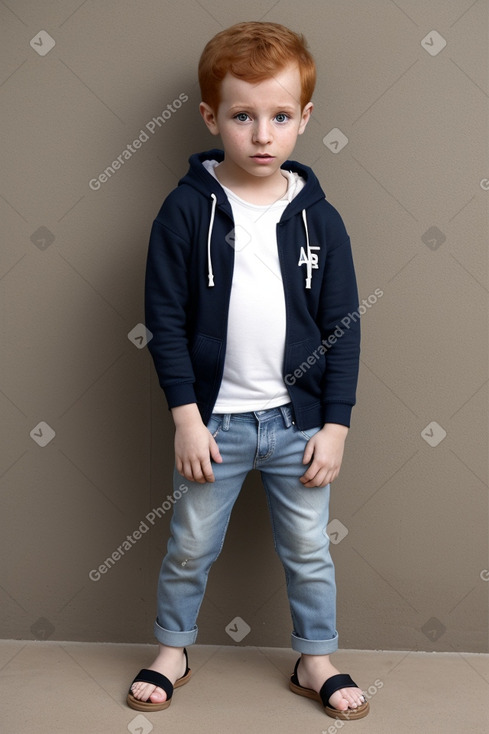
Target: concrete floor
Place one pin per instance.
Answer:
(80, 688)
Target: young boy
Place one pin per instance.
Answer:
(249, 275)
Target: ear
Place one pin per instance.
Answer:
(209, 118)
(305, 117)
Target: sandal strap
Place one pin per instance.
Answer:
(333, 684)
(156, 679)
(294, 677)
(187, 669)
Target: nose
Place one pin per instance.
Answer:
(261, 132)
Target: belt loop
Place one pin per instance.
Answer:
(286, 415)
(226, 420)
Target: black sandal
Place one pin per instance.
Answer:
(161, 681)
(330, 686)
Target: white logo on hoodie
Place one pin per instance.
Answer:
(312, 260)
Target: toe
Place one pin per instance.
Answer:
(354, 696)
(158, 696)
(144, 691)
(338, 701)
(350, 697)
(346, 698)
(358, 696)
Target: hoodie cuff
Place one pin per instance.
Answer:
(337, 413)
(181, 394)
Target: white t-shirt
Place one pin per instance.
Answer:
(252, 378)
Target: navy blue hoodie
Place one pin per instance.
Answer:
(188, 285)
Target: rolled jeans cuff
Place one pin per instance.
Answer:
(315, 647)
(174, 639)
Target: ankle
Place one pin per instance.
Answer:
(315, 661)
(170, 653)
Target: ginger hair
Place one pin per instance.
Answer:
(254, 51)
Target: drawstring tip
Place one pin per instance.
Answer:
(210, 280)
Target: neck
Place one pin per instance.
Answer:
(254, 189)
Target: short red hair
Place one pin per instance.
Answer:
(254, 51)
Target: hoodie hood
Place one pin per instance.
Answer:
(200, 179)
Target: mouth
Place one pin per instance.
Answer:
(262, 157)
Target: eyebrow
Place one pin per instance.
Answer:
(282, 108)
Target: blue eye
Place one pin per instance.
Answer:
(241, 117)
(281, 117)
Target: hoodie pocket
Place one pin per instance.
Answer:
(205, 355)
(306, 365)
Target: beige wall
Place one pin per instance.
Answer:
(412, 186)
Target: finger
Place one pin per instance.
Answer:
(316, 476)
(311, 483)
(186, 471)
(317, 481)
(215, 453)
(208, 474)
(311, 472)
(197, 473)
(308, 453)
(323, 479)
(333, 475)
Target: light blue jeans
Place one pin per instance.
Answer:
(270, 441)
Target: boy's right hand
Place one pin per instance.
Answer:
(194, 445)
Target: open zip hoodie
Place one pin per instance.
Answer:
(188, 287)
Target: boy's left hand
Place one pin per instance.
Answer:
(324, 453)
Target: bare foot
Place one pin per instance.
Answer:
(314, 670)
(170, 662)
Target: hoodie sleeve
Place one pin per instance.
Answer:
(166, 300)
(340, 326)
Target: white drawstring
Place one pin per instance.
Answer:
(309, 258)
(210, 274)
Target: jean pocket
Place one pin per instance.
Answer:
(214, 424)
(310, 432)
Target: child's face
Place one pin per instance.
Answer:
(258, 122)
